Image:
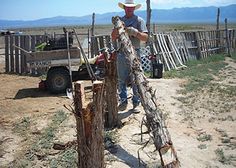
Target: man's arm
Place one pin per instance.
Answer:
(142, 36)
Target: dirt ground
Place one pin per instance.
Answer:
(201, 124)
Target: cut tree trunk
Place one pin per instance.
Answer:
(154, 120)
(89, 125)
(111, 119)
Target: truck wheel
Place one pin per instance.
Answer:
(58, 80)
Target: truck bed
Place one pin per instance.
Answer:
(47, 59)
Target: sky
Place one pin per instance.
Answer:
(38, 9)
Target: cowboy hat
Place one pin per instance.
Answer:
(129, 3)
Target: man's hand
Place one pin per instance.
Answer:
(114, 34)
(132, 31)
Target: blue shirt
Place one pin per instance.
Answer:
(138, 23)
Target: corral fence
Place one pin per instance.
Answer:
(176, 48)
(173, 49)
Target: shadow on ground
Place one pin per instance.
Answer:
(34, 93)
(128, 158)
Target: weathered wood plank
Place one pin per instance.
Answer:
(7, 59)
(17, 58)
(96, 46)
(101, 42)
(22, 55)
(33, 41)
(198, 45)
(227, 38)
(12, 58)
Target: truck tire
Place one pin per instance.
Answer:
(58, 80)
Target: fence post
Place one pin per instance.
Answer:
(12, 59)
(92, 37)
(98, 126)
(227, 37)
(148, 15)
(89, 125)
(22, 55)
(79, 101)
(217, 30)
(17, 55)
(198, 45)
(7, 54)
(111, 120)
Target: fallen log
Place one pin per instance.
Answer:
(154, 119)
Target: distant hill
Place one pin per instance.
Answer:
(175, 15)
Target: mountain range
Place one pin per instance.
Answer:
(175, 15)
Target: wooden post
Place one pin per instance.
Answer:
(148, 15)
(197, 38)
(12, 58)
(92, 36)
(227, 38)
(88, 37)
(101, 43)
(217, 30)
(154, 28)
(154, 121)
(7, 69)
(79, 101)
(17, 55)
(97, 146)
(95, 45)
(93, 21)
(218, 19)
(89, 125)
(111, 120)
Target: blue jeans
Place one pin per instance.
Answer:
(124, 77)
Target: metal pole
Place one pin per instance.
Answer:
(88, 66)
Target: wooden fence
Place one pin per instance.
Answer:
(174, 49)
(98, 43)
(15, 60)
(201, 44)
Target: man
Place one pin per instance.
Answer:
(137, 31)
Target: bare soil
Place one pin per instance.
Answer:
(201, 124)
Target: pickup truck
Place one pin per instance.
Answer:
(55, 64)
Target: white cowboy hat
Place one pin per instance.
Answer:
(129, 3)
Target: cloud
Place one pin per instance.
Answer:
(190, 3)
(218, 2)
(171, 3)
(166, 2)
